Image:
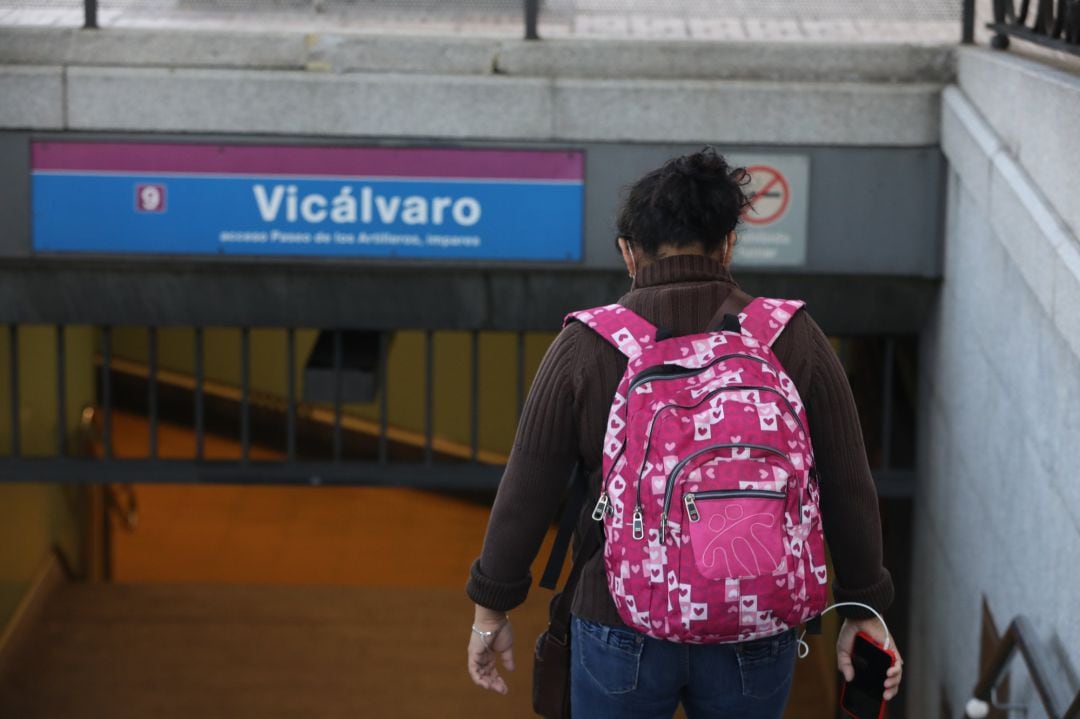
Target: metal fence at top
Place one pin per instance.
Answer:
(1054, 24)
(530, 18)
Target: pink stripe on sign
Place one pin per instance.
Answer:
(150, 158)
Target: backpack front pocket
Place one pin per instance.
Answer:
(736, 533)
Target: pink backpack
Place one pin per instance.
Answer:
(709, 497)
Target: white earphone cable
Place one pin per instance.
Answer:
(804, 648)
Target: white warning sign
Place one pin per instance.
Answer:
(774, 227)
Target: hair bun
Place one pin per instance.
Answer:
(695, 199)
(704, 166)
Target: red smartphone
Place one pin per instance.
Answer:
(863, 697)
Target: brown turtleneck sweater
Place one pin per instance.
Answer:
(564, 418)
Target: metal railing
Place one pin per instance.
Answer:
(313, 439)
(1053, 24)
(1020, 636)
(381, 454)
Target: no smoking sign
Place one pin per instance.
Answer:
(770, 195)
(773, 231)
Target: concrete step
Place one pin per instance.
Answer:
(217, 651)
(209, 651)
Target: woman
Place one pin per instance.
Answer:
(676, 235)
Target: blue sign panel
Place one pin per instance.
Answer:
(422, 204)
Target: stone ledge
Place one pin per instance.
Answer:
(1066, 302)
(580, 57)
(32, 97)
(495, 107)
(157, 100)
(1035, 237)
(158, 48)
(1031, 107)
(771, 61)
(748, 112)
(967, 141)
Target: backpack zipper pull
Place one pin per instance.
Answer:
(639, 524)
(601, 507)
(663, 527)
(691, 507)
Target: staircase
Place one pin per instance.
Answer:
(120, 651)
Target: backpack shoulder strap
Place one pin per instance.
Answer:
(627, 331)
(764, 319)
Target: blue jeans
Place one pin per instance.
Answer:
(617, 672)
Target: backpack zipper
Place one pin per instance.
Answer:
(598, 513)
(679, 467)
(603, 504)
(691, 505)
(674, 371)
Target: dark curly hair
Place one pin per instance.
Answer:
(695, 199)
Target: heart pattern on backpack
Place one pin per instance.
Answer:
(729, 443)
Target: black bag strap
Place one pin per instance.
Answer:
(575, 502)
(559, 624)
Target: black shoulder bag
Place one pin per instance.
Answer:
(551, 657)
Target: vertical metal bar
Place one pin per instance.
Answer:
(520, 373)
(151, 388)
(106, 536)
(887, 403)
(61, 393)
(474, 434)
(384, 388)
(200, 407)
(532, 19)
(106, 390)
(13, 350)
(967, 35)
(245, 393)
(90, 19)
(339, 362)
(1003, 11)
(290, 383)
(429, 394)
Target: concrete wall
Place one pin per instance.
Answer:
(865, 116)
(216, 82)
(998, 505)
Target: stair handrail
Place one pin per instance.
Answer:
(1020, 635)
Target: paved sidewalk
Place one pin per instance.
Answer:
(877, 21)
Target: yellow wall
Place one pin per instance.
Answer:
(36, 517)
(498, 373)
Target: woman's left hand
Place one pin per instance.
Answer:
(485, 649)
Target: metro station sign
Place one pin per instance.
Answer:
(312, 201)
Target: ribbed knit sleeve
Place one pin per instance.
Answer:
(849, 503)
(543, 456)
(565, 417)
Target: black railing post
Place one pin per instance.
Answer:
(90, 8)
(967, 36)
(532, 19)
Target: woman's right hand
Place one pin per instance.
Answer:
(484, 651)
(845, 644)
